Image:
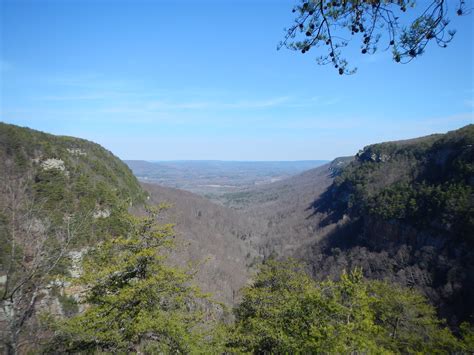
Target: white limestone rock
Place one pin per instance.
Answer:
(101, 213)
(50, 164)
(76, 151)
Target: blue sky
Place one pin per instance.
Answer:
(165, 80)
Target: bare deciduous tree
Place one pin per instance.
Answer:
(32, 248)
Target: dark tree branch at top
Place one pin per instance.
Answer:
(331, 24)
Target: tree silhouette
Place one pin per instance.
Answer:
(404, 26)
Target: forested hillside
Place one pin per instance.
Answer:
(215, 239)
(426, 182)
(93, 261)
(58, 196)
(65, 175)
(410, 218)
(63, 197)
(402, 211)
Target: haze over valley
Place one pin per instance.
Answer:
(215, 178)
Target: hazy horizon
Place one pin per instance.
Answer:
(209, 84)
(229, 161)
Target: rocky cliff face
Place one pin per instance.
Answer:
(404, 211)
(57, 196)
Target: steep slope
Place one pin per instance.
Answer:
(282, 212)
(403, 211)
(216, 238)
(63, 176)
(58, 196)
(409, 216)
(49, 179)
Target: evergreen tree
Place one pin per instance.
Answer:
(134, 300)
(406, 27)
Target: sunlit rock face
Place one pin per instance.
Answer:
(50, 164)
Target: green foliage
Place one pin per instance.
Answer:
(330, 25)
(448, 205)
(467, 333)
(285, 311)
(407, 322)
(427, 183)
(92, 179)
(69, 305)
(135, 301)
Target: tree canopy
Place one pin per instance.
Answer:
(285, 311)
(405, 27)
(135, 301)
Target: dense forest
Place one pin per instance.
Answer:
(408, 216)
(368, 254)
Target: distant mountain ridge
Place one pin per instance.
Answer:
(211, 178)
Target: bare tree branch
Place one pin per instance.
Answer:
(33, 250)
